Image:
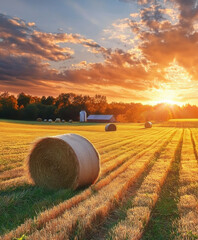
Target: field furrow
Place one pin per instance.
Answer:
(57, 222)
(194, 137)
(142, 172)
(138, 216)
(129, 151)
(188, 191)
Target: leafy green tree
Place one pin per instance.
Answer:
(23, 100)
(8, 106)
(47, 101)
(30, 112)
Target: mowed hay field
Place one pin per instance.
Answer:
(147, 188)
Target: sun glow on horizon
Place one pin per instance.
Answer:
(166, 96)
(169, 102)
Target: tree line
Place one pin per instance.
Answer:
(68, 105)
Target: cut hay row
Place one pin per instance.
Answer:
(116, 144)
(181, 123)
(10, 174)
(20, 150)
(123, 156)
(194, 137)
(133, 142)
(143, 153)
(106, 140)
(18, 181)
(63, 217)
(188, 191)
(138, 216)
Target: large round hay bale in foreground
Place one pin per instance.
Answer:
(148, 125)
(110, 127)
(64, 161)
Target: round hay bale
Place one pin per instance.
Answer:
(70, 121)
(57, 120)
(148, 125)
(110, 127)
(63, 121)
(64, 161)
(39, 119)
(45, 120)
(50, 120)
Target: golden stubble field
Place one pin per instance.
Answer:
(148, 185)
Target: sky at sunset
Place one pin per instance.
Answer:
(128, 50)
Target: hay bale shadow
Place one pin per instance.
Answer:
(26, 201)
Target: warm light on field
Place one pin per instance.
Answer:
(131, 153)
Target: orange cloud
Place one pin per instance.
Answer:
(156, 36)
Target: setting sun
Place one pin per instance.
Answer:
(168, 101)
(167, 96)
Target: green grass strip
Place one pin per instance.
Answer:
(162, 225)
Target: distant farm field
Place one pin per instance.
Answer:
(147, 189)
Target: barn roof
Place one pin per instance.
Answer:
(99, 117)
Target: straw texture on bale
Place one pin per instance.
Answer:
(64, 161)
(110, 127)
(148, 125)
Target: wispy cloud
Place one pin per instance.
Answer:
(82, 12)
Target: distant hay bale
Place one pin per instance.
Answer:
(50, 120)
(64, 161)
(148, 125)
(70, 121)
(45, 120)
(39, 119)
(63, 121)
(57, 120)
(110, 127)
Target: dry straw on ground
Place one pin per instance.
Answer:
(64, 161)
(148, 125)
(110, 127)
